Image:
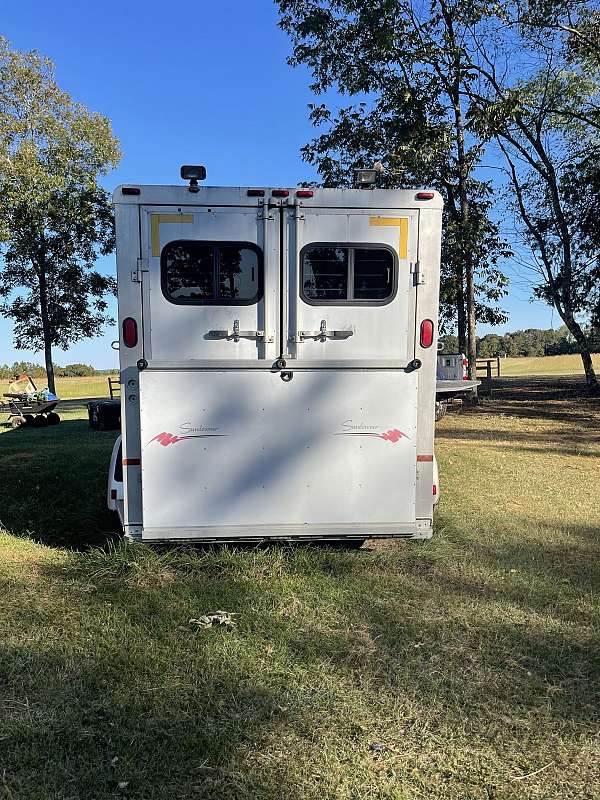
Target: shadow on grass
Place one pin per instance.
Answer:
(53, 484)
(528, 388)
(111, 724)
(558, 442)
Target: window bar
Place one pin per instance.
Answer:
(350, 286)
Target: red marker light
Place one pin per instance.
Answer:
(426, 333)
(304, 193)
(130, 190)
(425, 195)
(434, 490)
(255, 192)
(130, 335)
(280, 193)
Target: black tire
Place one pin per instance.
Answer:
(53, 418)
(441, 407)
(39, 421)
(17, 422)
(28, 419)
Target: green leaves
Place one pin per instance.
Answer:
(408, 68)
(54, 217)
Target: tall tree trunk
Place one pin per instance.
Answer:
(454, 94)
(46, 329)
(465, 249)
(471, 322)
(461, 316)
(584, 347)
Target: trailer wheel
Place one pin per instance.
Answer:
(17, 422)
(53, 418)
(40, 421)
(28, 419)
(441, 407)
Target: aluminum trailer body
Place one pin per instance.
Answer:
(278, 354)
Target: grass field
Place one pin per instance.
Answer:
(97, 385)
(546, 365)
(465, 668)
(68, 388)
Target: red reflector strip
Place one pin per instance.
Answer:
(280, 193)
(424, 458)
(426, 333)
(434, 490)
(425, 195)
(130, 190)
(130, 336)
(304, 193)
(132, 462)
(255, 192)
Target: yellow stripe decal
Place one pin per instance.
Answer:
(395, 222)
(155, 223)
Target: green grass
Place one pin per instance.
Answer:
(546, 365)
(68, 388)
(462, 668)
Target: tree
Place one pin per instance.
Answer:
(407, 64)
(449, 343)
(54, 217)
(543, 114)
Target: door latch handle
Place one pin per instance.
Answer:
(323, 334)
(235, 334)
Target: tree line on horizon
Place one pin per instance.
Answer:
(532, 342)
(34, 370)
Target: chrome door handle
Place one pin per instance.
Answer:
(235, 334)
(323, 334)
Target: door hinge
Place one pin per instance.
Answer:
(142, 266)
(419, 276)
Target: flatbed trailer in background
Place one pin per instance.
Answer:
(278, 363)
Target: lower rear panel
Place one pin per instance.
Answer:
(244, 454)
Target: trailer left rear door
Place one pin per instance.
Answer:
(209, 283)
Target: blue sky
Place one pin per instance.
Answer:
(204, 82)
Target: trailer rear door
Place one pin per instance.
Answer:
(210, 282)
(231, 446)
(352, 285)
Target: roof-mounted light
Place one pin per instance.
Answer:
(193, 173)
(280, 192)
(425, 195)
(365, 178)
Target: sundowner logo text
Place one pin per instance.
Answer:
(350, 428)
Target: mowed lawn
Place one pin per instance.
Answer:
(465, 667)
(546, 365)
(68, 388)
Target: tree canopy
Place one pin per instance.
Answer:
(445, 93)
(55, 219)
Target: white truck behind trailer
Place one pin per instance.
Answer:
(278, 352)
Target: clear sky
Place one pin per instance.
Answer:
(203, 82)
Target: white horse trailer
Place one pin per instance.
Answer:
(278, 363)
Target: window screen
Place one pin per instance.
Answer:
(337, 274)
(217, 273)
